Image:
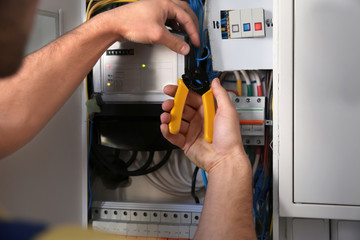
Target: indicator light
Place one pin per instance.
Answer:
(247, 27)
(258, 26)
(143, 65)
(109, 84)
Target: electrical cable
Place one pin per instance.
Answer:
(203, 174)
(88, 161)
(132, 159)
(154, 168)
(257, 159)
(193, 194)
(248, 82)
(258, 83)
(238, 83)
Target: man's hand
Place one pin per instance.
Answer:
(145, 22)
(227, 143)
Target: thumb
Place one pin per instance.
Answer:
(174, 43)
(222, 97)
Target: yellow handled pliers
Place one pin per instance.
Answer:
(194, 79)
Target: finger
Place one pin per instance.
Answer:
(173, 42)
(193, 99)
(188, 112)
(176, 139)
(184, 126)
(188, 9)
(222, 97)
(190, 24)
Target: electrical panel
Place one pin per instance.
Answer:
(132, 72)
(240, 34)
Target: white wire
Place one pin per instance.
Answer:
(246, 77)
(256, 163)
(178, 187)
(257, 78)
(237, 75)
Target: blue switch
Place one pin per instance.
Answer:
(247, 27)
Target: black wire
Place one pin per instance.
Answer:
(154, 168)
(193, 185)
(144, 167)
(132, 159)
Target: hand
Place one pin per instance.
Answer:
(227, 142)
(145, 22)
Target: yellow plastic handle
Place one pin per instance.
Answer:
(209, 115)
(179, 103)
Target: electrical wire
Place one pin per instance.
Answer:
(193, 194)
(257, 159)
(100, 4)
(238, 83)
(258, 83)
(248, 82)
(88, 161)
(203, 174)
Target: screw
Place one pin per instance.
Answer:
(247, 141)
(115, 212)
(155, 215)
(145, 214)
(259, 100)
(248, 100)
(237, 100)
(258, 141)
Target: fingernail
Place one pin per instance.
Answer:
(185, 49)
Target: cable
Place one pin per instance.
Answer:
(193, 194)
(152, 169)
(203, 174)
(257, 159)
(238, 83)
(132, 159)
(248, 82)
(88, 160)
(258, 84)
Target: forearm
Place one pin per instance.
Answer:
(227, 212)
(46, 80)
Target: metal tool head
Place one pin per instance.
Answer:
(195, 77)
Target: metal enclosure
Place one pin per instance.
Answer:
(318, 107)
(132, 72)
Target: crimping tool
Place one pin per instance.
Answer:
(194, 79)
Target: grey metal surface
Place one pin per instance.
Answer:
(326, 102)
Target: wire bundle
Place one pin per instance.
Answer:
(101, 4)
(176, 178)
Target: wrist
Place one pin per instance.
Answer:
(236, 160)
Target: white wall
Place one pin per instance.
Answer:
(46, 179)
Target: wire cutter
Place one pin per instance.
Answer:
(194, 79)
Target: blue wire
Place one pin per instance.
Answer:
(204, 178)
(88, 160)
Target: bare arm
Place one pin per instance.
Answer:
(227, 212)
(49, 76)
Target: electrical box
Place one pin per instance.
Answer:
(241, 34)
(132, 72)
